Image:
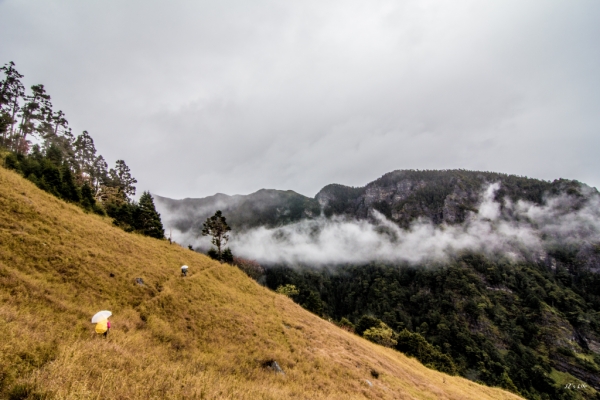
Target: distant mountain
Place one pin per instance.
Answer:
(402, 196)
(266, 207)
(441, 196)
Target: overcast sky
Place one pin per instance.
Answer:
(234, 96)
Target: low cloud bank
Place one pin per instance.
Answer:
(513, 230)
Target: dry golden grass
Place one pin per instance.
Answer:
(204, 336)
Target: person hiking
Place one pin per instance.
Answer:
(107, 328)
(102, 327)
(102, 322)
(184, 270)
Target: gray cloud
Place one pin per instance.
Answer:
(205, 97)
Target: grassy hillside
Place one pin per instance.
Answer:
(204, 336)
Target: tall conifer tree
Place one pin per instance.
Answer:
(122, 179)
(11, 90)
(148, 219)
(216, 226)
(33, 116)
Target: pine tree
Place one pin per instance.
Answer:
(33, 115)
(98, 174)
(59, 135)
(216, 226)
(148, 219)
(11, 90)
(85, 154)
(60, 123)
(120, 177)
(69, 190)
(51, 181)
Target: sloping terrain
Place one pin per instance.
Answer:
(209, 335)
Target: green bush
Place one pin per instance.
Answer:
(314, 303)
(382, 334)
(11, 162)
(288, 290)
(565, 351)
(367, 322)
(227, 256)
(589, 365)
(346, 324)
(415, 345)
(213, 253)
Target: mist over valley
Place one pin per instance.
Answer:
(415, 217)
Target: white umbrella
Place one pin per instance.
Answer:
(184, 267)
(99, 316)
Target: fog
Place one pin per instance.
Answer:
(512, 230)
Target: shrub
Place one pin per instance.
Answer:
(587, 364)
(11, 161)
(313, 303)
(288, 290)
(98, 209)
(346, 324)
(227, 256)
(366, 322)
(565, 351)
(213, 253)
(415, 345)
(383, 335)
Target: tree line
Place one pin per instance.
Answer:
(37, 142)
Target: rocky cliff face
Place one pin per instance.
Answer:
(440, 196)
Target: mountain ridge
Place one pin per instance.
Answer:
(442, 196)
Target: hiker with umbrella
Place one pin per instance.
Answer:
(102, 322)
